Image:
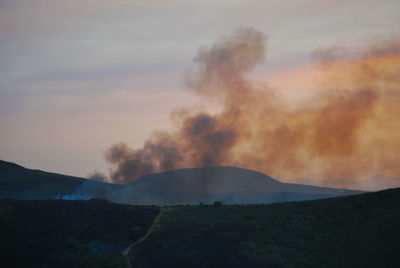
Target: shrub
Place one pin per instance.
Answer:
(218, 204)
(100, 200)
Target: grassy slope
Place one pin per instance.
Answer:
(59, 233)
(353, 231)
(22, 183)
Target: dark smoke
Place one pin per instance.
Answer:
(348, 130)
(98, 176)
(202, 139)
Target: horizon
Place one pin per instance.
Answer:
(82, 91)
(366, 185)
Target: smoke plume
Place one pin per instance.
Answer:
(348, 130)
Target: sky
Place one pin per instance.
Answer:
(77, 77)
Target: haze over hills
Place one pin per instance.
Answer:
(374, 183)
(227, 184)
(380, 182)
(185, 186)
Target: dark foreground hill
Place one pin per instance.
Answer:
(59, 233)
(354, 231)
(227, 184)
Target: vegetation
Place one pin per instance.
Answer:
(60, 233)
(353, 231)
(218, 204)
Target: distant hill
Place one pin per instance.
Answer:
(374, 183)
(352, 231)
(185, 186)
(208, 184)
(379, 182)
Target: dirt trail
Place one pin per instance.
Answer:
(126, 251)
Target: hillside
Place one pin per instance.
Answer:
(17, 182)
(208, 184)
(60, 233)
(354, 231)
(22, 183)
(230, 185)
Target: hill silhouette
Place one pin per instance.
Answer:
(23, 183)
(208, 184)
(184, 186)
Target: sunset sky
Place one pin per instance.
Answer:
(79, 76)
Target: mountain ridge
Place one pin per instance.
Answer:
(184, 186)
(225, 183)
(23, 183)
